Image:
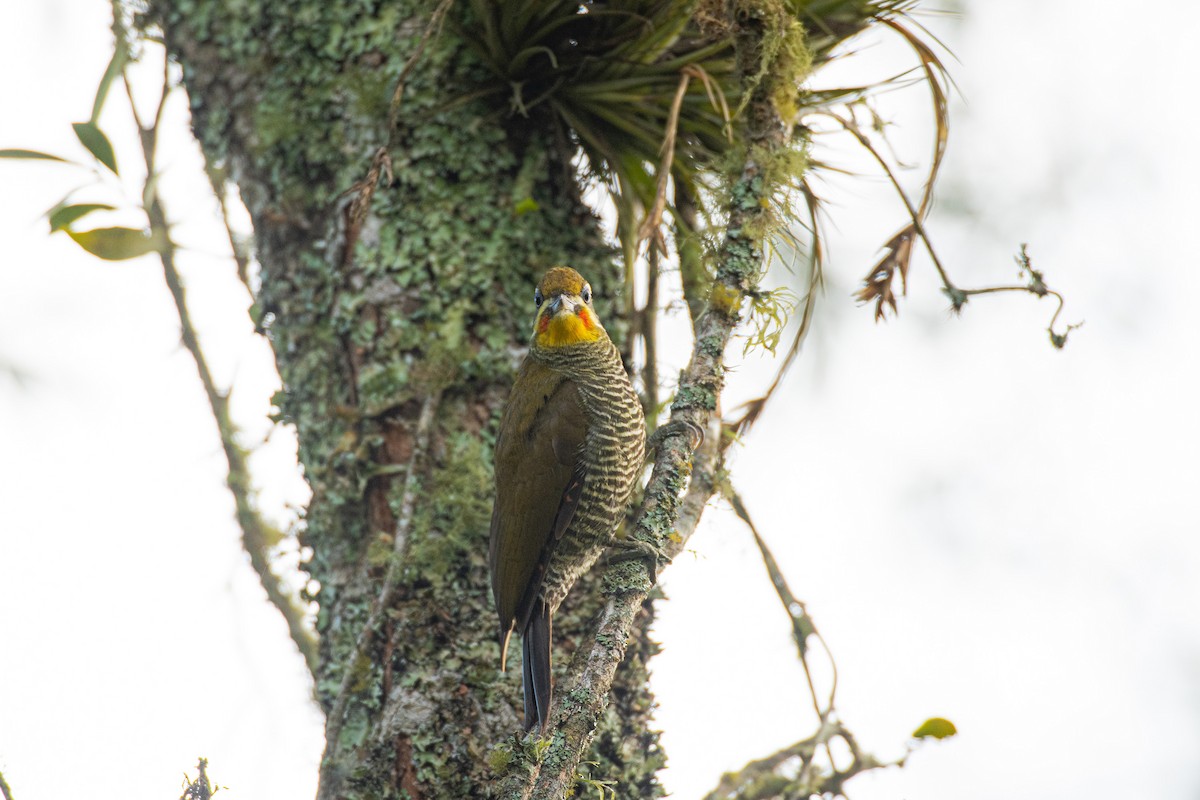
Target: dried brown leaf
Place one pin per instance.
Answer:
(878, 285)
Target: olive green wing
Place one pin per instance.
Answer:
(539, 474)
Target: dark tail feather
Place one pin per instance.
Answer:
(527, 683)
(535, 667)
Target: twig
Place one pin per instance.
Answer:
(648, 330)
(732, 783)
(201, 788)
(5, 790)
(216, 179)
(435, 21)
(652, 225)
(258, 535)
(357, 202)
(916, 216)
(767, 779)
(802, 624)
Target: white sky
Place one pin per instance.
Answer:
(984, 528)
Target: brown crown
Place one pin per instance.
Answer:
(561, 280)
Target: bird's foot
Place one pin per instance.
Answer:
(629, 549)
(676, 426)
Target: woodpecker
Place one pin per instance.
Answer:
(571, 444)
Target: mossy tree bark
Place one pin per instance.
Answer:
(397, 309)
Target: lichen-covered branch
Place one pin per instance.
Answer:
(793, 771)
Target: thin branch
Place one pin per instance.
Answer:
(652, 225)
(164, 91)
(435, 21)
(258, 535)
(201, 788)
(776, 777)
(916, 216)
(357, 202)
(802, 624)
(771, 778)
(241, 255)
(735, 784)
(5, 790)
(648, 330)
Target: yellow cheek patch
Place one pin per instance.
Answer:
(564, 329)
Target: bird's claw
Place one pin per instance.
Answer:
(695, 434)
(630, 549)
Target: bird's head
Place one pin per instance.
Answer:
(565, 315)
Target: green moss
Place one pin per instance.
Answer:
(778, 55)
(788, 62)
(726, 301)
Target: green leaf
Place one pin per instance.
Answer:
(115, 65)
(62, 216)
(31, 154)
(935, 728)
(97, 144)
(115, 244)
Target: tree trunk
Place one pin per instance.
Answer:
(398, 310)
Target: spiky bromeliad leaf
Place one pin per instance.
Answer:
(608, 73)
(828, 23)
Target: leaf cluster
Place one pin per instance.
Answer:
(108, 243)
(607, 76)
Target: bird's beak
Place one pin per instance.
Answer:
(563, 303)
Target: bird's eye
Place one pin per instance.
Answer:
(586, 294)
(537, 298)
